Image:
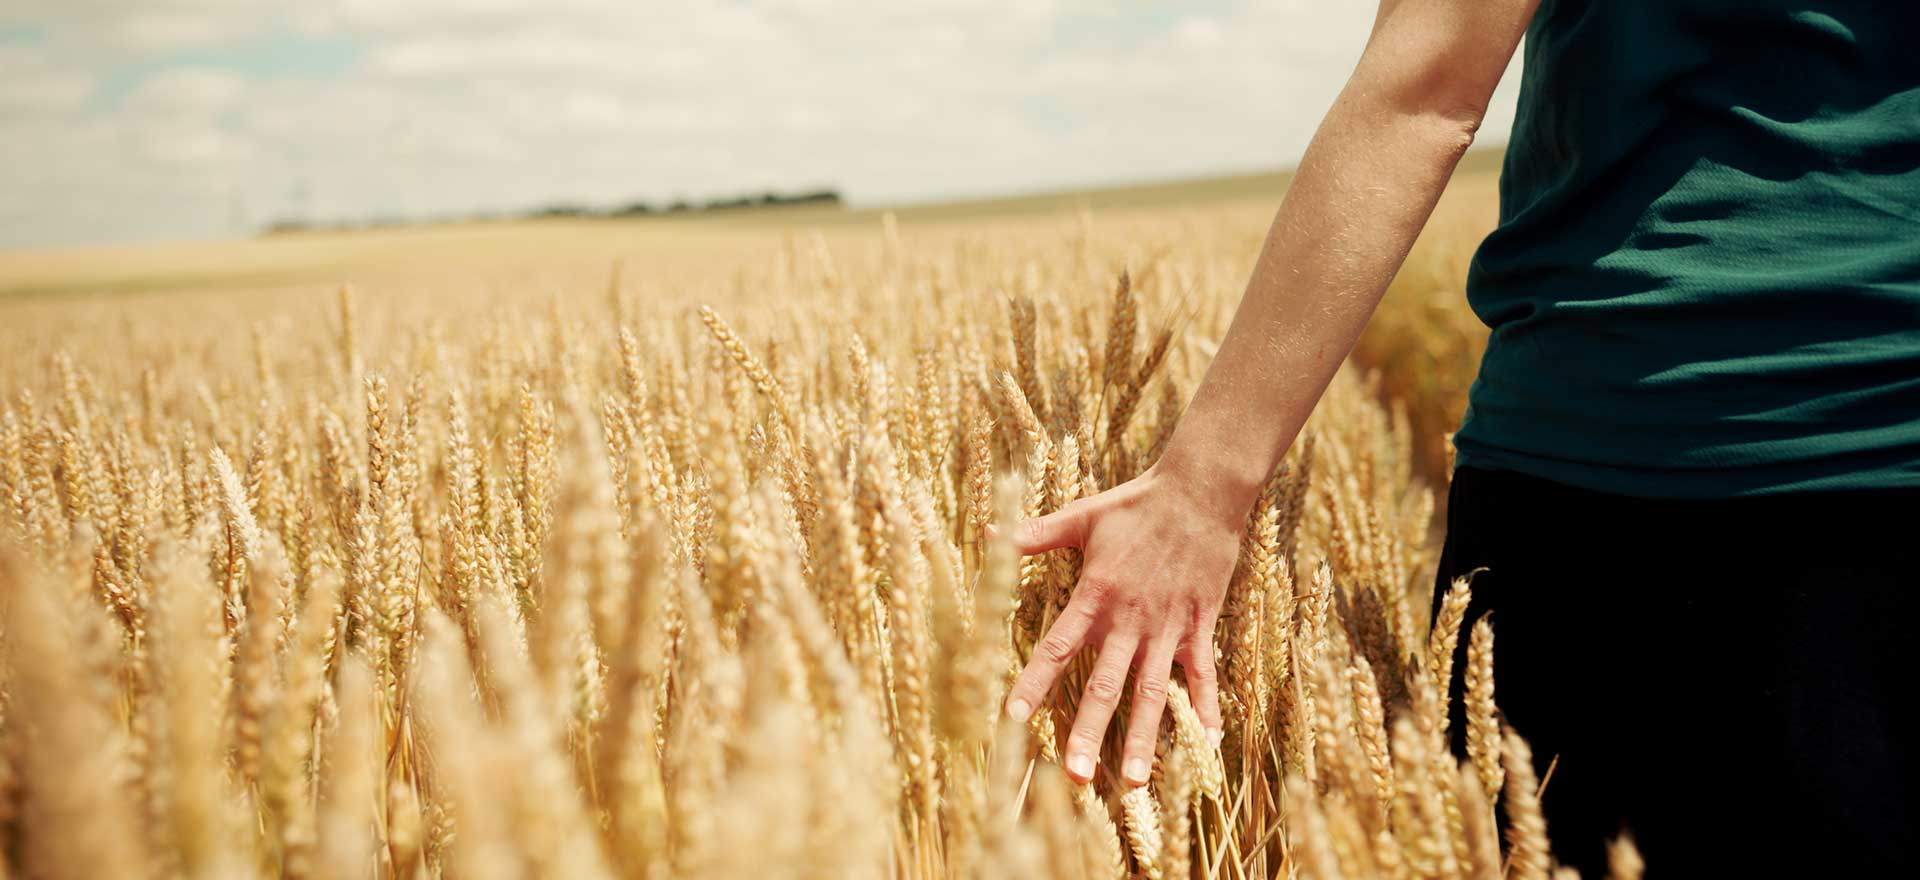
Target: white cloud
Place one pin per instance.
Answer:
(150, 30)
(187, 94)
(1199, 32)
(32, 82)
(126, 121)
(199, 148)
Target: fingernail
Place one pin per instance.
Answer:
(1080, 766)
(1213, 737)
(1137, 771)
(1019, 709)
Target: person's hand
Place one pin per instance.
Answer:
(1157, 556)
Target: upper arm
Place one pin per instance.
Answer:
(1441, 59)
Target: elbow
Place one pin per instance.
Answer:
(1464, 117)
(1457, 127)
(1434, 65)
(1437, 109)
(1436, 96)
(1442, 128)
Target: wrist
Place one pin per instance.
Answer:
(1212, 483)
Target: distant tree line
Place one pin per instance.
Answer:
(768, 199)
(830, 197)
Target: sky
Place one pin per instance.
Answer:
(146, 120)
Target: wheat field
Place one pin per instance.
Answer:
(661, 551)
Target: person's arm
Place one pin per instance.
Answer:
(1159, 549)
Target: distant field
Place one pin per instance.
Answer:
(321, 260)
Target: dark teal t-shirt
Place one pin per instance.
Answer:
(1706, 277)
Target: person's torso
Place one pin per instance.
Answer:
(1706, 277)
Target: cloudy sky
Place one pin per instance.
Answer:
(127, 120)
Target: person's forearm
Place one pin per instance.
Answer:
(1158, 551)
(1363, 190)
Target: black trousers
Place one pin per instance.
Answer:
(1729, 680)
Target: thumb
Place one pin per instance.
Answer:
(1066, 527)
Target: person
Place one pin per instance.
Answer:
(1689, 471)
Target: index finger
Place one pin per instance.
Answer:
(1052, 654)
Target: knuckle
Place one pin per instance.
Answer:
(1031, 531)
(1152, 688)
(1087, 606)
(1103, 688)
(1057, 649)
(1099, 586)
